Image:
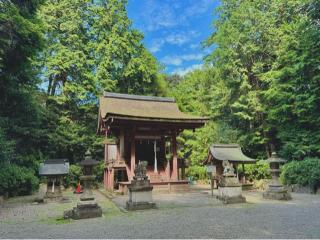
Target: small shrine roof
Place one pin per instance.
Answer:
(144, 108)
(54, 167)
(230, 152)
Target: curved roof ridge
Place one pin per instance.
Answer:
(230, 152)
(138, 97)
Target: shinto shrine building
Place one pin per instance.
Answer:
(143, 128)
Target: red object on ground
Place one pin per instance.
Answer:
(78, 190)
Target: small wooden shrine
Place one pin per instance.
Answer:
(142, 128)
(230, 152)
(54, 170)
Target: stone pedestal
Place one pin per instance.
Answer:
(86, 209)
(140, 195)
(275, 189)
(230, 190)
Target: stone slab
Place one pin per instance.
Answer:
(230, 191)
(140, 196)
(230, 195)
(277, 195)
(140, 205)
(88, 209)
(231, 200)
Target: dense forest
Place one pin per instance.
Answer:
(260, 85)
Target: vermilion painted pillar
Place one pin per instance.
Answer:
(174, 175)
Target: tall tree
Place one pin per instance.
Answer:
(91, 47)
(264, 61)
(20, 113)
(294, 93)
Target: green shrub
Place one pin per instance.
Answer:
(257, 171)
(197, 172)
(16, 180)
(98, 171)
(72, 179)
(304, 173)
(75, 171)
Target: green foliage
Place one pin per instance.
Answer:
(304, 173)
(72, 179)
(16, 180)
(261, 81)
(22, 137)
(197, 172)
(91, 46)
(257, 171)
(98, 171)
(6, 148)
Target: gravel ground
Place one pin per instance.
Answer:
(188, 215)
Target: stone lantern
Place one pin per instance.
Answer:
(87, 207)
(88, 163)
(275, 189)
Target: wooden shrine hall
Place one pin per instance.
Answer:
(142, 128)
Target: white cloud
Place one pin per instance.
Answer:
(184, 71)
(177, 60)
(199, 7)
(164, 14)
(178, 38)
(172, 60)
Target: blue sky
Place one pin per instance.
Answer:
(174, 30)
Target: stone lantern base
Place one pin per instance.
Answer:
(277, 192)
(230, 190)
(85, 209)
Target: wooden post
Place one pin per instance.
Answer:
(167, 170)
(133, 153)
(105, 179)
(174, 175)
(155, 168)
(108, 178)
(244, 174)
(121, 143)
(111, 179)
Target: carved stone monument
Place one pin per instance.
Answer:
(87, 207)
(229, 188)
(275, 189)
(140, 190)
